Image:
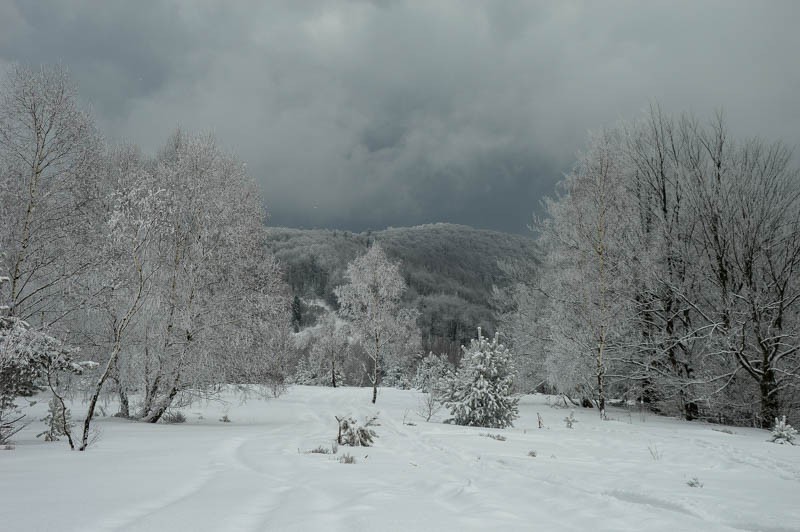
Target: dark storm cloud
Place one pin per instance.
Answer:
(367, 114)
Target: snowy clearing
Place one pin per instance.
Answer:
(629, 473)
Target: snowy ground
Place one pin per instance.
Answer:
(253, 474)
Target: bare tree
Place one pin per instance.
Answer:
(665, 267)
(747, 200)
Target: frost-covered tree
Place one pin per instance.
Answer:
(17, 375)
(216, 289)
(49, 149)
(670, 274)
(585, 237)
(123, 285)
(431, 370)
(480, 394)
(371, 301)
(330, 345)
(156, 267)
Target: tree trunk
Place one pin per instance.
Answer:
(770, 406)
(124, 404)
(161, 408)
(375, 370)
(96, 395)
(154, 414)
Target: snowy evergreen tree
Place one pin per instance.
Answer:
(782, 432)
(29, 357)
(16, 377)
(480, 393)
(58, 421)
(430, 371)
(396, 375)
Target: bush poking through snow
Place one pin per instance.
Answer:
(225, 419)
(532, 454)
(428, 405)
(655, 453)
(782, 432)
(172, 417)
(694, 483)
(347, 459)
(570, 420)
(10, 424)
(498, 437)
(355, 435)
(319, 450)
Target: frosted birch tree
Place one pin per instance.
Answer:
(212, 233)
(671, 258)
(585, 237)
(48, 151)
(371, 301)
(329, 350)
(125, 282)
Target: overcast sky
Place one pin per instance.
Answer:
(357, 114)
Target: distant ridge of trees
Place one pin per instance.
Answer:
(450, 271)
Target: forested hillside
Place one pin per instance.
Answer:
(450, 270)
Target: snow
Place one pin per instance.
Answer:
(627, 473)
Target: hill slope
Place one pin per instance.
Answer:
(450, 270)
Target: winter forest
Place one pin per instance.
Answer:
(142, 294)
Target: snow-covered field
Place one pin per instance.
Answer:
(628, 473)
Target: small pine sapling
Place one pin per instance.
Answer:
(430, 370)
(694, 483)
(782, 432)
(480, 393)
(355, 435)
(58, 421)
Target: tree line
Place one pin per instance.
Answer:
(665, 273)
(670, 275)
(152, 270)
(450, 271)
